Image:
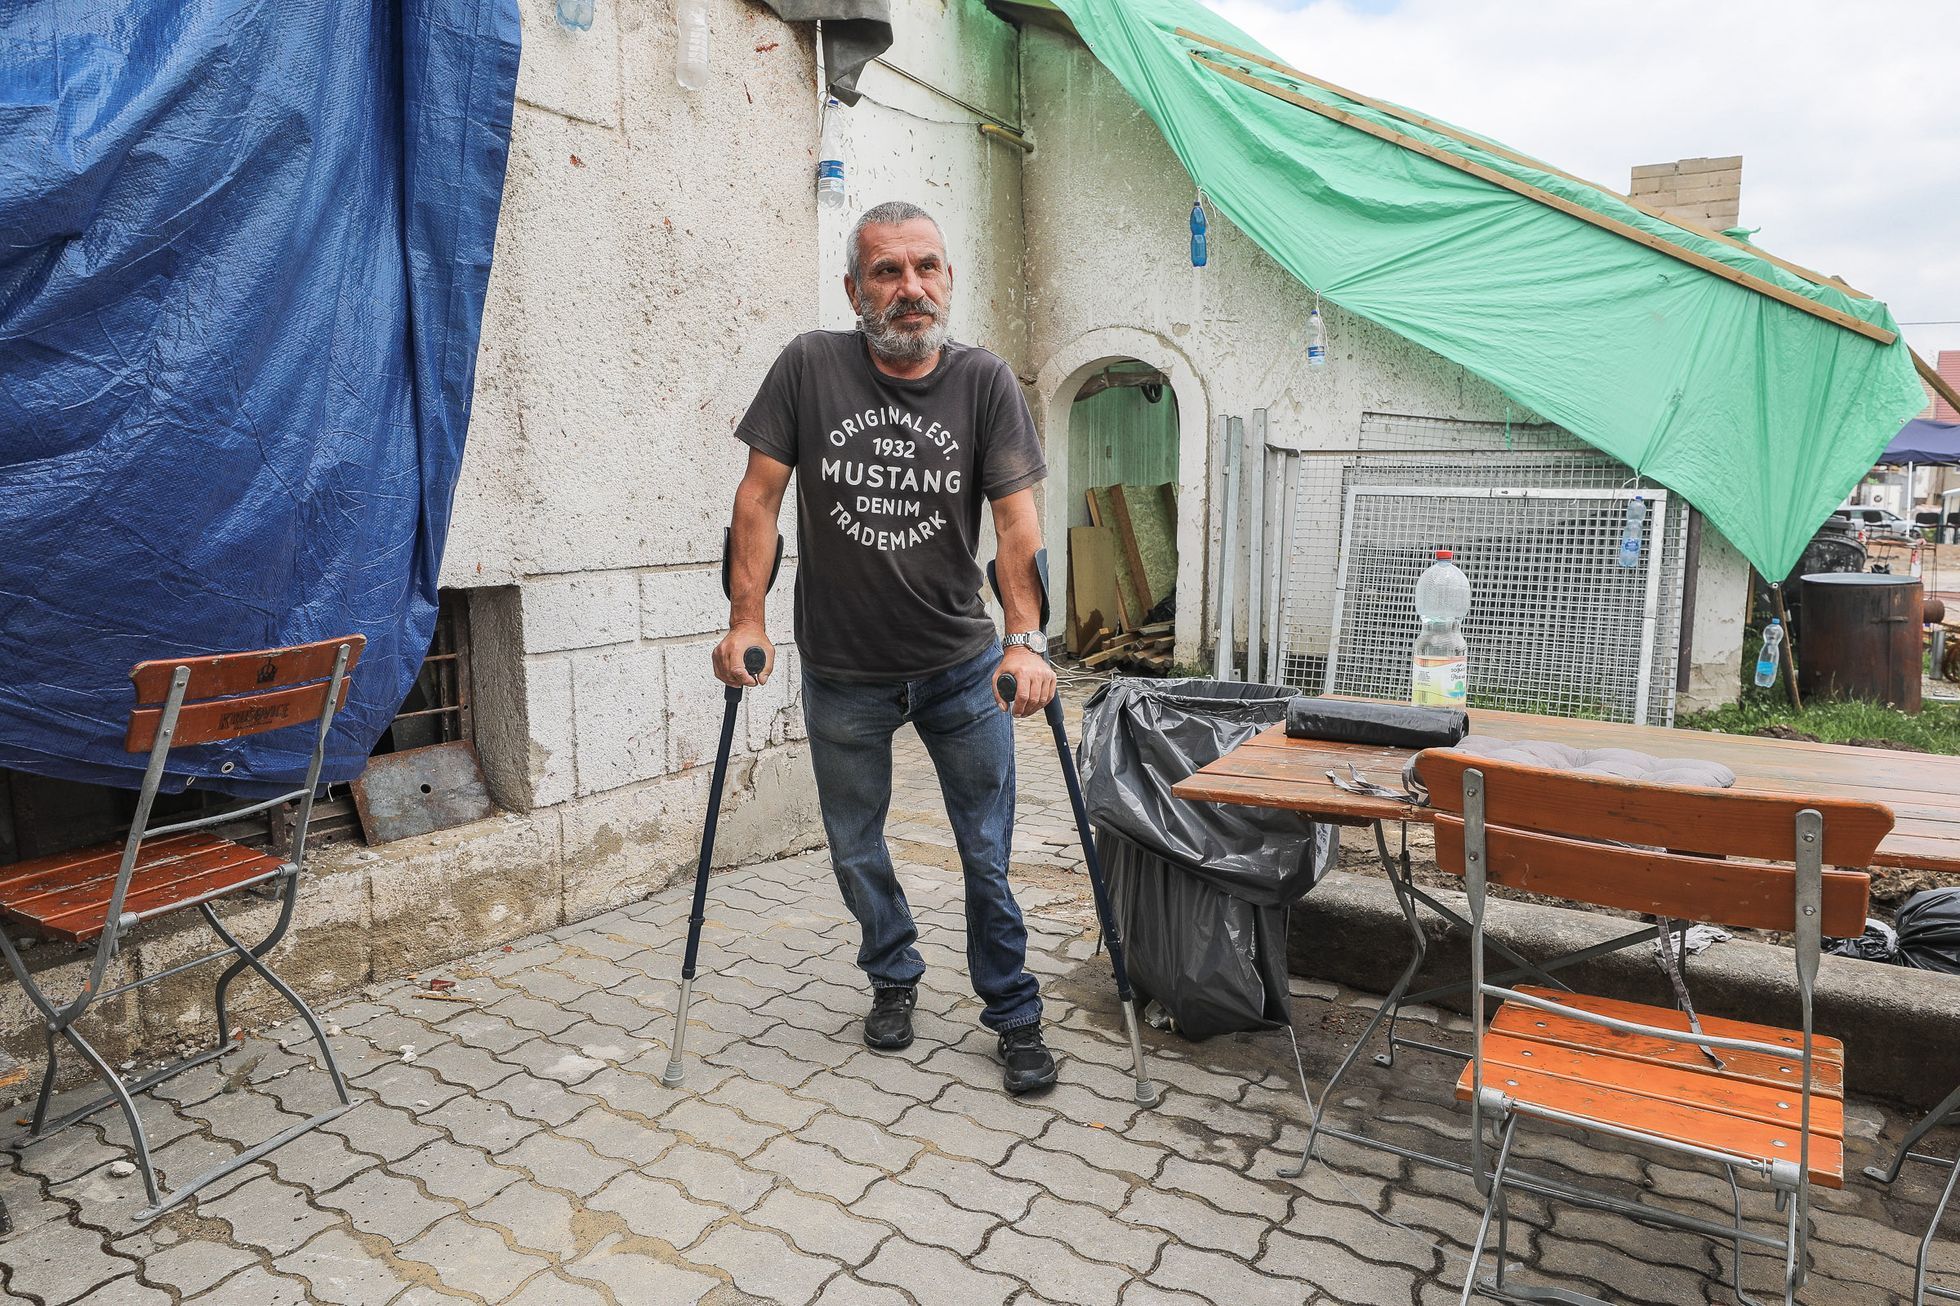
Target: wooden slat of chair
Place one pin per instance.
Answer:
(1751, 894)
(1667, 1121)
(1520, 1021)
(1717, 822)
(222, 674)
(1715, 1090)
(58, 871)
(83, 914)
(233, 718)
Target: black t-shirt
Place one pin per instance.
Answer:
(890, 478)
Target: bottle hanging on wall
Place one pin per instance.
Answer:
(830, 158)
(575, 14)
(691, 47)
(1630, 534)
(1316, 338)
(1199, 246)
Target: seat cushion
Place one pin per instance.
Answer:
(1668, 1089)
(66, 895)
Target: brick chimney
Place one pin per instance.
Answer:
(1706, 191)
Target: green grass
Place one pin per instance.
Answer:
(1936, 729)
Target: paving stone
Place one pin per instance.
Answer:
(563, 1163)
(256, 1286)
(318, 1161)
(1143, 1293)
(1338, 1271)
(59, 1262)
(638, 1279)
(925, 1216)
(717, 1127)
(814, 1169)
(380, 1203)
(478, 1122)
(860, 1141)
(269, 1215)
(1192, 1221)
(764, 1263)
(895, 1075)
(955, 1135)
(1067, 1177)
(488, 1031)
(382, 1131)
(455, 1063)
(127, 1291)
(551, 1290)
(654, 1208)
(451, 1170)
(936, 1275)
(711, 1176)
(1103, 1148)
(764, 1103)
(537, 1219)
(855, 1097)
(1052, 1269)
(338, 1268)
(1221, 1278)
(549, 1059)
(612, 1134)
(1226, 1189)
(847, 1291)
(970, 1185)
(758, 1061)
(472, 1258)
(819, 1226)
(1092, 1233)
(192, 1265)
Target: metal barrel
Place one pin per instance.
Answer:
(1861, 638)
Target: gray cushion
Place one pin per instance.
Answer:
(1621, 762)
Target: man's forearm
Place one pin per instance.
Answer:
(752, 555)
(1020, 597)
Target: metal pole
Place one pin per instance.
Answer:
(1228, 555)
(1289, 462)
(1255, 546)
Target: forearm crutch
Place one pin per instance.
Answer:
(753, 660)
(1146, 1092)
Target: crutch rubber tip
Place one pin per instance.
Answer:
(1147, 1094)
(672, 1076)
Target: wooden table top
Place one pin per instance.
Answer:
(1923, 791)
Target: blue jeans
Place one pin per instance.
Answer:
(972, 744)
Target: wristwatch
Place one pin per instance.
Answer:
(1033, 639)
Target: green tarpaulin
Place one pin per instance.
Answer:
(1760, 414)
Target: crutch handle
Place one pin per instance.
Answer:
(754, 661)
(1006, 687)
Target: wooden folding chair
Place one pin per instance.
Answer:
(96, 896)
(1774, 1107)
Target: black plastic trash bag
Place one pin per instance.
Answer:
(1879, 942)
(1201, 890)
(1215, 962)
(1140, 737)
(1929, 930)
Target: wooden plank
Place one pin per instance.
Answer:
(216, 675)
(1126, 535)
(1720, 822)
(1658, 244)
(1135, 598)
(233, 718)
(1092, 562)
(1737, 1095)
(1526, 1022)
(1505, 152)
(1155, 530)
(78, 865)
(1756, 895)
(1119, 604)
(1669, 1121)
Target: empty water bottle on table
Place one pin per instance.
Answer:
(1630, 536)
(1771, 655)
(1199, 247)
(830, 158)
(691, 52)
(1439, 668)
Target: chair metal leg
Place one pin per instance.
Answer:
(138, 1138)
(1919, 1288)
(1490, 1209)
(1927, 1123)
(39, 1125)
(250, 957)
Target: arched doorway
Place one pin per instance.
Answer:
(1122, 448)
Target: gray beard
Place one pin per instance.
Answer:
(897, 345)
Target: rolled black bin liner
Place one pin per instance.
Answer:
(1396, 725)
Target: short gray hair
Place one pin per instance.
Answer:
(890, 213)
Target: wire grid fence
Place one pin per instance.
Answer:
(1556, 625)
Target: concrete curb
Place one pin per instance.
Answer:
(1897, 1024)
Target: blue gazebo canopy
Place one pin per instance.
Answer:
(1924, 443)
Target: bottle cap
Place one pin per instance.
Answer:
(1444, 555)
(1775, 621)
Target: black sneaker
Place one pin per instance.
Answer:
(889, 1026)
(1028, 1065)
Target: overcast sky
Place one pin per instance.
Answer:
(1846, 112)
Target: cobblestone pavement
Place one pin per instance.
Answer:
(518, 1146)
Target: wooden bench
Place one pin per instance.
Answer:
(1752, 1098)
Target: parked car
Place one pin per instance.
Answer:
(1877, 523)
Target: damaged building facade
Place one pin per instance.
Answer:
(656, 249)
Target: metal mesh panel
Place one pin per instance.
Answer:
(1557, 626)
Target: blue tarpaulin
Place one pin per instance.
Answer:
(243, 255)
(1925, 442)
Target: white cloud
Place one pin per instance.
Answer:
(1847, 115)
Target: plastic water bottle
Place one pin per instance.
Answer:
(1630, 535)
(1199, 251)
(691, 49)
(830, 158)
(575, 14)
(1439, 666)
(1771, 654)
(1316, 339)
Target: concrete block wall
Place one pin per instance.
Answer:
(1707, 191)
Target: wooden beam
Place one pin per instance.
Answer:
(1658, 244)
(1505, 152)
(1941, 386)
(1126, 535)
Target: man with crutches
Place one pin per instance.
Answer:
(897, 435)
